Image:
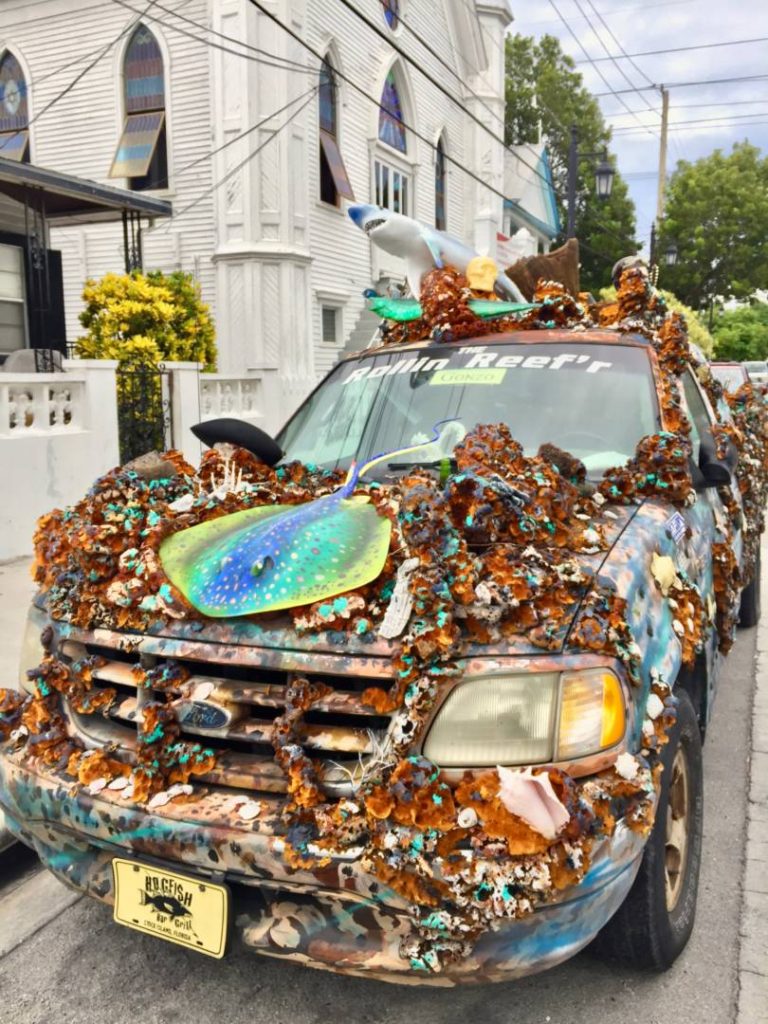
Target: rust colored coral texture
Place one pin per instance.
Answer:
(496, 555)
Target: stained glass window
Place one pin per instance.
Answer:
(391, 12)
(14, 110)
(334, 181)
(143, 73)
(391, 127)
(142, 150)
(327, 97)
(440, 219)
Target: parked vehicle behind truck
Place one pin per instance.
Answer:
(431, 715)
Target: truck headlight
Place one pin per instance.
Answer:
(503, 719)
(527, 718)
(32, 650)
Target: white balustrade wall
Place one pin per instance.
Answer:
(58, 431)
(254, 398)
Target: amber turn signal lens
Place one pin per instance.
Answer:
(592, 713)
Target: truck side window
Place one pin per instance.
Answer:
(701, 422)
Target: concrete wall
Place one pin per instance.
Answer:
(58, 432)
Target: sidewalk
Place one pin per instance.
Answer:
(753, 954)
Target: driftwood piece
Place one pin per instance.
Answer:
(561, 265)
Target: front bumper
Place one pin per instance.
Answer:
(335, 918)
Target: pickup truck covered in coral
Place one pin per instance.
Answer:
(423, 698)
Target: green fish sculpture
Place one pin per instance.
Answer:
(407, 310)
(282, 556)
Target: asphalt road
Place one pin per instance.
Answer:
(81, 968)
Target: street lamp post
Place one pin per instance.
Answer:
(670, 252)
(604, 175)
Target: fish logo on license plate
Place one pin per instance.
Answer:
(187, 911)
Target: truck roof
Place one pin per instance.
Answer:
(594, 336)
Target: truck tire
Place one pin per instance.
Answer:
(653, 925)
(749, 609)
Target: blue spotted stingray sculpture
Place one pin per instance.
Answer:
(283, 556)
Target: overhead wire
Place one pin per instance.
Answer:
(623, 52)
(612, 91)
(242, 163)
(406, 57)
(677, 49)
(701, 120)
(103, 51)
(683, 85)
(276, 61)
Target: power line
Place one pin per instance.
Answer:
(434, 81)
(233, 170)
(623, 52)
(444, 63)
(695, 106)
(618, 67)
(701, 120)
(586, 54)
(246, 132)
(430, 78)
(230, 39)
(677, 49)
(682, 85)
(81, 74)
(697, 127)
(299, 69)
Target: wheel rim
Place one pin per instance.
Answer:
(677, 831)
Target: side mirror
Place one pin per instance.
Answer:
(231, 431)
(713, 472)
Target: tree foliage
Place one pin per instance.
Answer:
(742, 334)
(544, 92)
(717, 214)
(146, 318)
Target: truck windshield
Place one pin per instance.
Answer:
(595, 401)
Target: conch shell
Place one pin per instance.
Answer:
(532, 798)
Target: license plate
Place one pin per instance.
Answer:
(188, 911)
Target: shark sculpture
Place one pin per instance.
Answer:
(421, 247)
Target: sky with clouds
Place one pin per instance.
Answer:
(728, 110)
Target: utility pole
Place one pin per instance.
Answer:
(573, 169)
(662, 155)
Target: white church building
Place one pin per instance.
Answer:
(260, 121)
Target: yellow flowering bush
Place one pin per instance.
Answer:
(146, 318)
(143, 320)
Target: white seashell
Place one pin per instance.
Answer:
(119, 783)
(249, 810)
(159, 800)
(19, 734)
(591, 536)
(532, 798)
(97, 785)
(201, 691)
(627, 766)
(182, 504)
(467, 817)
(654, 706)
(127, 793)
(179, 789)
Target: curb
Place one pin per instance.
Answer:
(752, 1000)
